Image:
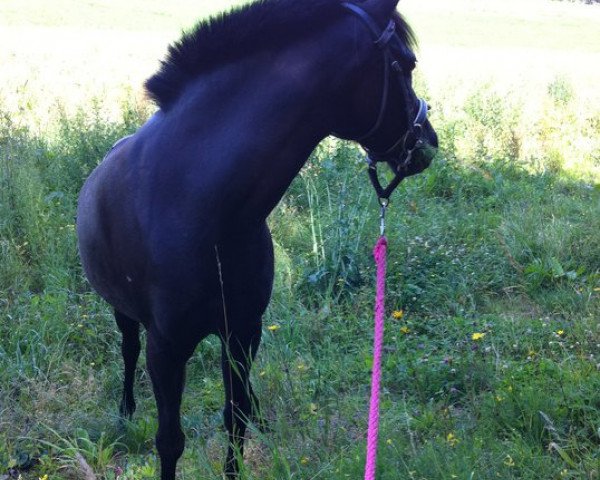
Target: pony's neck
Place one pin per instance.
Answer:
(276, 107)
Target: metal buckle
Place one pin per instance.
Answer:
(387, 35)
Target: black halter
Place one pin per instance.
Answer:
(404, 147)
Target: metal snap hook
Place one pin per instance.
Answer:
(383, 202)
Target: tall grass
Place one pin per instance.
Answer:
(498, 237)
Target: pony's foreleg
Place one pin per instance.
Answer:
(166, 365)
(130, 348)
(238, 352)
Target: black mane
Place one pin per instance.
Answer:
(231, 35)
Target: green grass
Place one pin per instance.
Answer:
(489, 240)
(498, 237)
(537, 25)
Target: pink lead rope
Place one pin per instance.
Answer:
(379, 252)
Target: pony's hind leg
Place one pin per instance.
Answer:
(130, 348)
(241, 404)
(246, 282)
(166, 364)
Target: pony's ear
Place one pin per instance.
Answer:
(381, 10)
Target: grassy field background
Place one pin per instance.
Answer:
(74, 50)
(493, 371)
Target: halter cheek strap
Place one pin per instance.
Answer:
(382, 41)
(407, 143)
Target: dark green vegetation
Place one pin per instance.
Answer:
(499, 237)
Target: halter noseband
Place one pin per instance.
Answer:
(409, 141)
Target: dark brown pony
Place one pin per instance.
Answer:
(171, 224)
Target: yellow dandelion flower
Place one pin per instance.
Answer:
(477, 336)
(45, 477)
(560, 333)
(405, 330)
(273, 328)
(451, 439)
(397, 314)
(304, 460)
(389, 441)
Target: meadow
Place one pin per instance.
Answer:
(492, 371)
